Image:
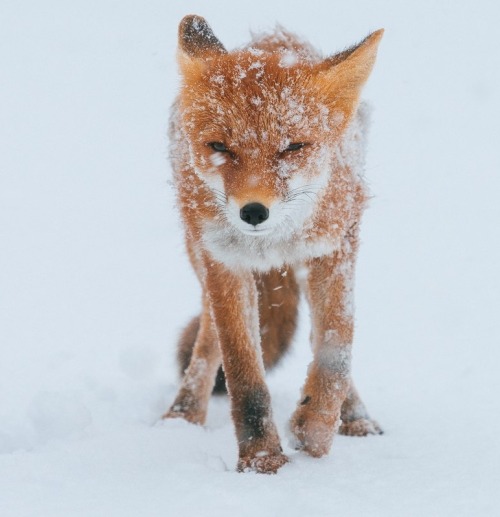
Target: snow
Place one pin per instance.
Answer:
(95, 283)
(288, 59)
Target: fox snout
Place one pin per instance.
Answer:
(254, 213)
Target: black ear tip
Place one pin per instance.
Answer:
(192, 22)
(196, 35)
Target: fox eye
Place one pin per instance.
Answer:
(296, 146)
(218, 147)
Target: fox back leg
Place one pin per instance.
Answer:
(185, 352)
(204, 360)
(355, 418)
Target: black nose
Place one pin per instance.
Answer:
(254, 213)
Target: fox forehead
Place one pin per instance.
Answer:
(255, 96)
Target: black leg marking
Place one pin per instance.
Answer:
(255, 410)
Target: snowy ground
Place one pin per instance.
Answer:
(95, 284)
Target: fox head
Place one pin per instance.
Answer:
(262, 123)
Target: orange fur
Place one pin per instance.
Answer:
(266, 146)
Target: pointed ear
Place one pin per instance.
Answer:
(196, 42)
(342, 76)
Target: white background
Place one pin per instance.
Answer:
(95, 284)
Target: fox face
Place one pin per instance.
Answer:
(264, 125)
(259, 140)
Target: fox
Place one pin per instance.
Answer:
(267, 147)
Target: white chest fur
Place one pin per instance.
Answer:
(262, 253)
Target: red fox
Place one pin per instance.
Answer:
(267, 149)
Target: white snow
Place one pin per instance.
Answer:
(95, 284)
(288, 59)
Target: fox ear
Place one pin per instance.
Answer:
(343, 75)
(197, 40)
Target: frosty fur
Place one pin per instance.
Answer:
(272, 123)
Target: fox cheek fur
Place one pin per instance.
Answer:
(267, 149)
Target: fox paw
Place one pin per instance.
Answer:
(263, 462)
(313, 433)
(360, 427)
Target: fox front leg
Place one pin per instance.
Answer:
(330, 284)
(234, 304)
